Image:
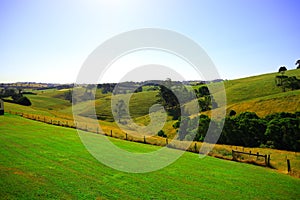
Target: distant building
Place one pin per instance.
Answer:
(1, 107)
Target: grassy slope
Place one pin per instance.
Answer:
(259, 94)
(42, 161)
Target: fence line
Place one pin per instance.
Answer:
(236, 155)
(194, 147)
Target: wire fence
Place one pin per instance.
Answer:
(153, 140)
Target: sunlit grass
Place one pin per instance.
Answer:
(40, 161)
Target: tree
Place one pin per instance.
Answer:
(203, 91)
(280, 79)
(183, 129)
(232, 113)
(121, 111)
(207, 103)
(68, 95)
(204, 121)
(161, 133)
(284, 133)
(23, 101)
(282, 70)
(297, 64)
(169, 100)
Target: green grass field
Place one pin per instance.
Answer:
(40, 161)
(260, 94)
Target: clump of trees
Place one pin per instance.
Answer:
(16, 96)
(286, 82)
(279, 131)
(169, 94)
(205, 100)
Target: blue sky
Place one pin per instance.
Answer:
(48, 40)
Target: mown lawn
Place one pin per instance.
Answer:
(40, 161)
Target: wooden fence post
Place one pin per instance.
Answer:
(126, 136)
(167, 141)
(195, 147)
(110, 133)
(257, 154)
(269, 160)
(266, 160)
(288, 165)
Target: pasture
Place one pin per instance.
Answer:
(38, 160)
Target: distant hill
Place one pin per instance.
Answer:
(261, 95)
(256, 94)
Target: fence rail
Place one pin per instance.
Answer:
(236, 155)
(154, 140)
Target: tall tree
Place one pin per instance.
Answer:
(169, 100)
(282, 69)
(121, 112)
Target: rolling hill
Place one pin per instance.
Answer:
(49, 162)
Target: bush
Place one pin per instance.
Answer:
(24, 101)
(161, 133)
(232, 113)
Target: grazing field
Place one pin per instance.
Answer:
(40, 161)
(255, 94)
(260, 94)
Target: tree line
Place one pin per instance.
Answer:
(279, 130)
(16, 96)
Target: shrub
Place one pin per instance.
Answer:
(24, 101)
(161, 133)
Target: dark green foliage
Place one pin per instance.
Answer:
(7, 93)
(16, 95)
(282, 69)
(283, 131)
(68, 95)
(203, 91)
(24, 101)
(251, 129)
(205, 100)
(121, 112)
(183, 129)
(169, 100)
(279, 80)
(161, 133)
(292, 83)
(106, 87)
(204, 121)
(232, 113)
(280, 130)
